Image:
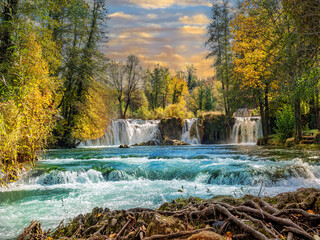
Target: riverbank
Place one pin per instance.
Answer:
(309, 141)
(293, 215)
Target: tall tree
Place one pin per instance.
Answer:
(158, 79)
(133, 81)
(219, 45)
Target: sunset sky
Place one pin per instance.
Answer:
(169, 32)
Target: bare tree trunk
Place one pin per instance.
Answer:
(317, 108)
(267, 112)
(262, 114)
(298, 124)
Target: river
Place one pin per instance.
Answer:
(69, 182)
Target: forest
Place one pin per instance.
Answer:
(57, 88)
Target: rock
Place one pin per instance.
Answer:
(169, 142)
(171, 128)
(164, 225)
(214, 128)
(206, 235)
(304, 198)
(124, 146)
(113, 222)
(148, 143)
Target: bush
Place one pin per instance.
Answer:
(143, 113)
(159, 113)
(178, 110)
(284, 124)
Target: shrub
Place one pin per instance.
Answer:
(178, 110)
(284, 124)
(143, 113)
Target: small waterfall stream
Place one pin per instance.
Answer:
(246, 129)
(189, 136)
(127, 132)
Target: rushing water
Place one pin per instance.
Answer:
(128, 132)
(69, 182)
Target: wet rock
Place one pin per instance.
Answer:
(124, 146)
(167, 142)
(171, 128)
(214, 128)
(148, 143)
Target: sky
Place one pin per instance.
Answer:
(169, 32)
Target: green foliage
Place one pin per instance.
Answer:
(284, 124)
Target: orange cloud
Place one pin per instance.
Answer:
(122, 15)
(199, 19)
(193, 30)
(148, 4)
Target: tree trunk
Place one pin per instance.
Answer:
(9, 11)
(267, 112)
(298, 124)
(126, 109)
(264, 129)
(317, 108)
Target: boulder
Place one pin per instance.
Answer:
(171, 128)
(214, 128)
(173, 142)
(148, 143)
(124, 146)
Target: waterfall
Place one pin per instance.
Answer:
(127, 132)
(246, 129)
(190, 131)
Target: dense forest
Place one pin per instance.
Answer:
(57, 88)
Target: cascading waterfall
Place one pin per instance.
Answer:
(246, 129)
(189, 136)
(127, 132)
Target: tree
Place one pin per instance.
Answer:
(158, 79)
(191, 78)
(82, 67)
(178, 89)
(133, 81)
(254, 51)
(219, 45)
(116, 78)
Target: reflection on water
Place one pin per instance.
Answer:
(69, 182)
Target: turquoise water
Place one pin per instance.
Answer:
(69, 182)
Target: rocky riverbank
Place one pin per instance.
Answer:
(286, 216)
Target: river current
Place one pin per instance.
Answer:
(69, 182)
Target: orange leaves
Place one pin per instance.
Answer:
(311, 212)
(228, 236)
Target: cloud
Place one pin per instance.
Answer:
(122, 15)
(149, 4)
(152, 16)
(193, 30)
(199, 19)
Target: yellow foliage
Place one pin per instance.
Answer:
(26, 117)
(93, 117)
(252, 47)
(178, 89)
(178, 110)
